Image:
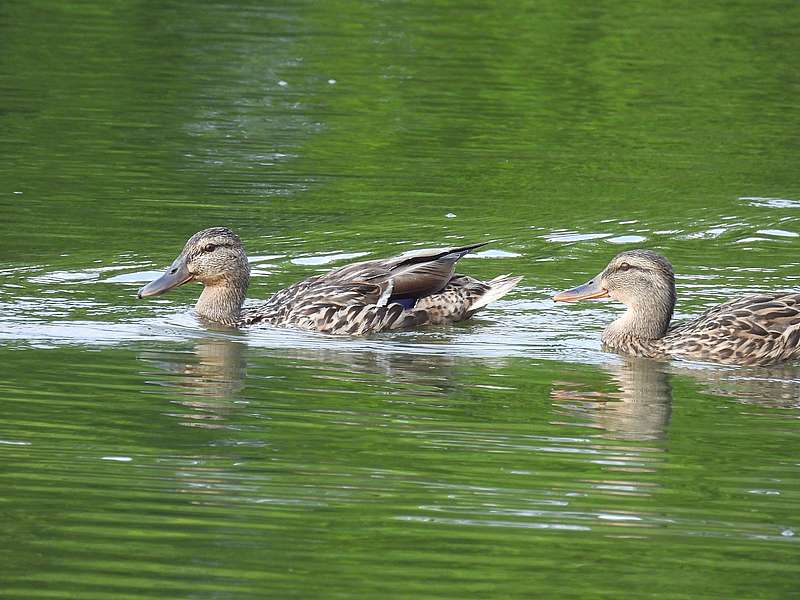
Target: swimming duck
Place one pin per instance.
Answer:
(413, 289)
(753, 330)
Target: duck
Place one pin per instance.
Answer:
(411, 290)
(761, 329)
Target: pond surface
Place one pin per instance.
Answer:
(143, 455)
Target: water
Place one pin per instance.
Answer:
(143, 455)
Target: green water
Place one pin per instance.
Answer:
(145, 456)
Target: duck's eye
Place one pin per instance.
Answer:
(209, 247)
(624, 267)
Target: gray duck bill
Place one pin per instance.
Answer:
(177, 274)
(590, 289)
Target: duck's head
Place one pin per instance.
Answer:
(214, 257)
(641, 279)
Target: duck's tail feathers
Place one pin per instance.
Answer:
(790, 345)
(498, 287)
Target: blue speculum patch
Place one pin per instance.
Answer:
(406, 302)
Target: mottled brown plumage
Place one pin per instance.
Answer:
(762, 329)
(416, 288)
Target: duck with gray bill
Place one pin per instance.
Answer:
(762, 329)
(413, 289)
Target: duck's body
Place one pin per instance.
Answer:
(763, 329)
(753, 330)
(356, 301)
(417, 288)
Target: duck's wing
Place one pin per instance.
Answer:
(343, 309)
(372, 296)
(760, 329)
(411, 275)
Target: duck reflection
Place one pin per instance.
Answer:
(639, 408)
(775, 387)
(633, 405)
(214, 367)
(213, 371)
(429, 374)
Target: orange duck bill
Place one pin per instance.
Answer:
(587, 291)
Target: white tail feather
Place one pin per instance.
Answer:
(383, 300)
(498, 287)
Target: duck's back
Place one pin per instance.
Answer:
(753, 330)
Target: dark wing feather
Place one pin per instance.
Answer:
(413, 275)
(423, 279)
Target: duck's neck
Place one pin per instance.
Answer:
(642, 323)
(222, 301)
